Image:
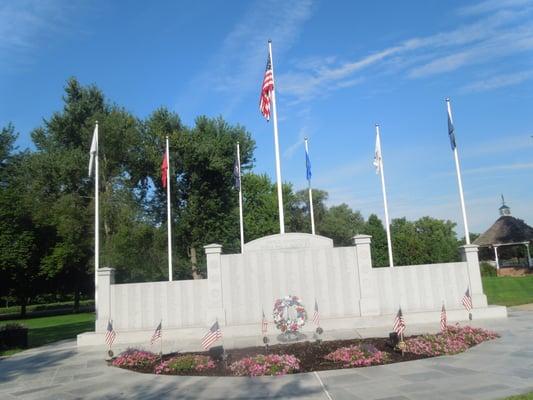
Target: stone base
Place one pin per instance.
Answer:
(188, 339)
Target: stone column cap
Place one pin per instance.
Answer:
(469, 247)
(213, 248)
(362, 239)
(106, 271)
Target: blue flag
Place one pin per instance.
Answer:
(451, 130)
(307, 166)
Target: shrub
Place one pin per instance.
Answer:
(357, 356)
(134, 358)
(186, 363)
(453, 340)
(14, 326)
(271, 364)
(487, 269)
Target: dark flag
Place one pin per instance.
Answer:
(164, 168)
(451, 128)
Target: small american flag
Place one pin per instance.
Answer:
(264, 324)
(399, 323)
(110, 334)
(467, 300)
(157, 333)
(316, 315)
(443, 318)
(213, 334)
(266, 90)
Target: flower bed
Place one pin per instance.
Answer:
(271, 364)
(185, 363)
(139, 360)
(358, 356)
(305, 356)
(453, 340)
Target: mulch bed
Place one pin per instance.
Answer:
(310, 354)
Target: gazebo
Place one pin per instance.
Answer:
(507, 231)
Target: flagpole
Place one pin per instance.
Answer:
(169, 222)
(276, 145)
(459, 180)
(96, 223)
(310, 193)
(384, 191)
(240, 198)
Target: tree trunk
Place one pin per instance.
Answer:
(194, 263)
(23, 302)
(77, 296)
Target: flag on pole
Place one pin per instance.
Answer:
(264, 324)
(316, 315)
(164, 169)
(266, 90)
(157, 333)
(377, 154)
(237, 174)
(110, 334)
(93, 150)
(307, 165)
(451, 128)
(443, 319)
(399, 323)
(467, 300)
(213, 334)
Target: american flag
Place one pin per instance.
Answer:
(316, 315)
(110, 334)
(264, 324)
(443, 318)
(266, 90)
(164, 169)
(399, 323)
(213, 334)
(467, 300)
(157, 333)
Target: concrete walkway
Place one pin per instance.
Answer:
(491, 370)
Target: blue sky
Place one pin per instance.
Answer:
(340, 67)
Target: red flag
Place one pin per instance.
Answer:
(164, 169)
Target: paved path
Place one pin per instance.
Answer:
(491, 370)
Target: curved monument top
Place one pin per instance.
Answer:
(289, 241)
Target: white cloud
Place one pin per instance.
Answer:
(498, 168)
(498, 81)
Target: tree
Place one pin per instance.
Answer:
(341, 224)
(301, 214)
(374, 227)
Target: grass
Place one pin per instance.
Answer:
(65, 306)
(508, 290)
(527, 396)
(45, 330)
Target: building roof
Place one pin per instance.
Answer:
(506, 230)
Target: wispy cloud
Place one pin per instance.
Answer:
(499, 29)
(302, 134)
(26, 24)
(237, 67)
(497, 82)
(498, 168)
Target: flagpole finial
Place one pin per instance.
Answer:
(269, 40)
(447, 99)
(96, 122)
(377, 125)
(305, 138)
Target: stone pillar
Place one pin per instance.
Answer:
(369, 302)
(469, 254)
(215, 305)
(106, 278)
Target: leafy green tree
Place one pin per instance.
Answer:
(301, 218)
(374, 227)
(341, 224)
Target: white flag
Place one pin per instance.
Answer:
(94, 149)
(377, 155)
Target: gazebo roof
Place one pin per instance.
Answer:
(506, 230)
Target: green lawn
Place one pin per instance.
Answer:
(508, 291)
(46, 330)
(527, 396)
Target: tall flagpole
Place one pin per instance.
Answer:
(240, 198)
(458, 169)
(384, 191)
(169, 221)
(276, 145)
(310, 190)
(96, 223)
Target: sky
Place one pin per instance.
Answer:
(340, 67)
